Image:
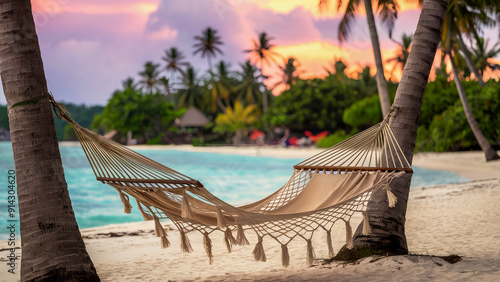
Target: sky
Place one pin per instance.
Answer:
(90, 46)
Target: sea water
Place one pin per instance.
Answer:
(236, 179)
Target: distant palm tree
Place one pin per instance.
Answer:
(336, 68)
(208, 45)
(129, 83)
(399, 61)
(166, 88)
(150, 76)
(289, 73)
(388, 11)
(481, 56)
(467, 18)
(249, 90)
(221, 87)
(262, 54)
(190, 95)
(174, 59)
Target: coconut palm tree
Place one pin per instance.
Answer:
(150, 77)
(401, 57)
(166, 88)
(221, 87)
(262, 54)
(208, 45)
(388, 11)
(189, 95)
(485, 145)
(387, 224)
(482, 55)
(456, 22)
(336, 68)
(174, 59)
(51, 245)
(236, 120)
(249, 90)
(467, 18)
(288, 73)
(129, 83)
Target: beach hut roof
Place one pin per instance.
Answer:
(192, 118)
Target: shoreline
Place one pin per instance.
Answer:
(468, 164)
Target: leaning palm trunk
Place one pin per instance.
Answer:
(488, 150)
(383, 93)
(468, 60)
(387, 224)
(52, 247)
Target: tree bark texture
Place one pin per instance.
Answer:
(388, 224)
(383, 93)
(52, 247)
(486, 147)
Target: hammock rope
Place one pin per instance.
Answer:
(322, 190)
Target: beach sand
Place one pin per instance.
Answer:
(461, 219)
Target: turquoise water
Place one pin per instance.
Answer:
(233, 178)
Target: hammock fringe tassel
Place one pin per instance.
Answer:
(164, 242)
(229, 240)
(366, 224)
(241, 239)
(310, 252)
(145, 215)
(348, 235)
(329, 243)
(185, 243)
(391, 197)
(285, 257)
(221, 221)
(258, 252)
(127, 207)
(207, 243)
(159, 230)
(186, 211)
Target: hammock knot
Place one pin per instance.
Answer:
(59, 109)
(258, 252)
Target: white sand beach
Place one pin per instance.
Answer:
(459, 219)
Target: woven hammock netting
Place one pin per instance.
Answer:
(325, 189)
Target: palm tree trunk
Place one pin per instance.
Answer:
(488, 150)
(209, 58)
(52, 247)
(221, 106)
(388, 224)
(264, 94)
(468, 60)
(383, 93)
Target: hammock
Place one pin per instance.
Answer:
(324, 189)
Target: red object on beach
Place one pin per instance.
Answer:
(256, 134)
(293, 141)
(315, 138)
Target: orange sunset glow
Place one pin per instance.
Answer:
(91, 46)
